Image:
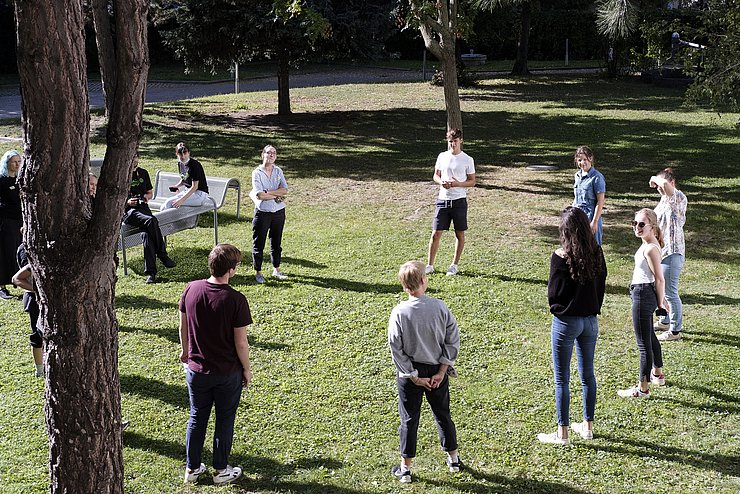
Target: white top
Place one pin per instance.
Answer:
(457, 167)
(642, 272)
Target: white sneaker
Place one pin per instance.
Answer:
(581, 429)
(429, 269)
(453, 270)
(633, 392)
(192, 475)
(660, 325)
(553, 438)
(669, 336)
(276, 273)
(229, 474)
(658, 380)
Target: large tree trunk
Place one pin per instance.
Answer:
(521, 66)
(72, 239)
(284, 84)
(452, 97)
(440, 39)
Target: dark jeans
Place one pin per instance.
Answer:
(644, 303)
(207, 390)
(262, 224)
(409, 408)
(151, 236)
(566, 331)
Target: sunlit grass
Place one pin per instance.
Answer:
(321, 416)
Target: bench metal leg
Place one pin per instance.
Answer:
(215, 227)
(238, 200)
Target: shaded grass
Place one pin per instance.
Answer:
(321, 415)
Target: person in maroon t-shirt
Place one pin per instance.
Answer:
(215, 350)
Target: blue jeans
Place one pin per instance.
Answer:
(205, 391)
(672, 266)
(583, 330)
(644, 302)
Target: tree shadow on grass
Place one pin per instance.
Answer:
(142, 302)
(346, 285)
(306, 263)
(486, 483)
(724, 464)
(705, 407)
(173, 394)
(713, 338)
(709, 299)
(266, 470)
(169, 334)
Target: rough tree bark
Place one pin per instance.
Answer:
(71, 238)
(439, 37)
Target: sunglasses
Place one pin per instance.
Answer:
(640, 224)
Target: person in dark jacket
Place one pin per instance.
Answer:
(575, 291)
(138, 214)
(10, 219)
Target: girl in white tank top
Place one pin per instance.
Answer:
(648, 271)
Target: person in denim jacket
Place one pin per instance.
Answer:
(589, 189)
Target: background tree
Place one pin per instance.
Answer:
(71, 238)
(217, 33)
(718, 75)
(437, 20)
(526, 8)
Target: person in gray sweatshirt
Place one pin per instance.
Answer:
(424, 342)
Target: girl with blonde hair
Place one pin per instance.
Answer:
(648, 293)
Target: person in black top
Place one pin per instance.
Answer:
(10, 219)
(575, 291)
(139, 214)
(192, 177)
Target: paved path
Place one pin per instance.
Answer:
(158, 91)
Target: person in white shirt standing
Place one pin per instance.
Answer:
(454, 172)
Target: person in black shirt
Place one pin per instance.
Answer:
(575, 291)
(10, 219)
(139, 214)
(192, 177)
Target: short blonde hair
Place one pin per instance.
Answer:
(411, 275)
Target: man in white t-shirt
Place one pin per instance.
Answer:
(454, 172)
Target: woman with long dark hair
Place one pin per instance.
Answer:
(575, 291)
(647, 291)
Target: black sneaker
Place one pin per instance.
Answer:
(403, 476)
(5, 295)
(152, 278)
(168, 263)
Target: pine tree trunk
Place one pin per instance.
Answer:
(284, 84)
(72, 239)
(452, 97)
(521, 66)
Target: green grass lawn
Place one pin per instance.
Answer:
(321, 415)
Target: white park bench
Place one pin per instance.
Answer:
(176, 219)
